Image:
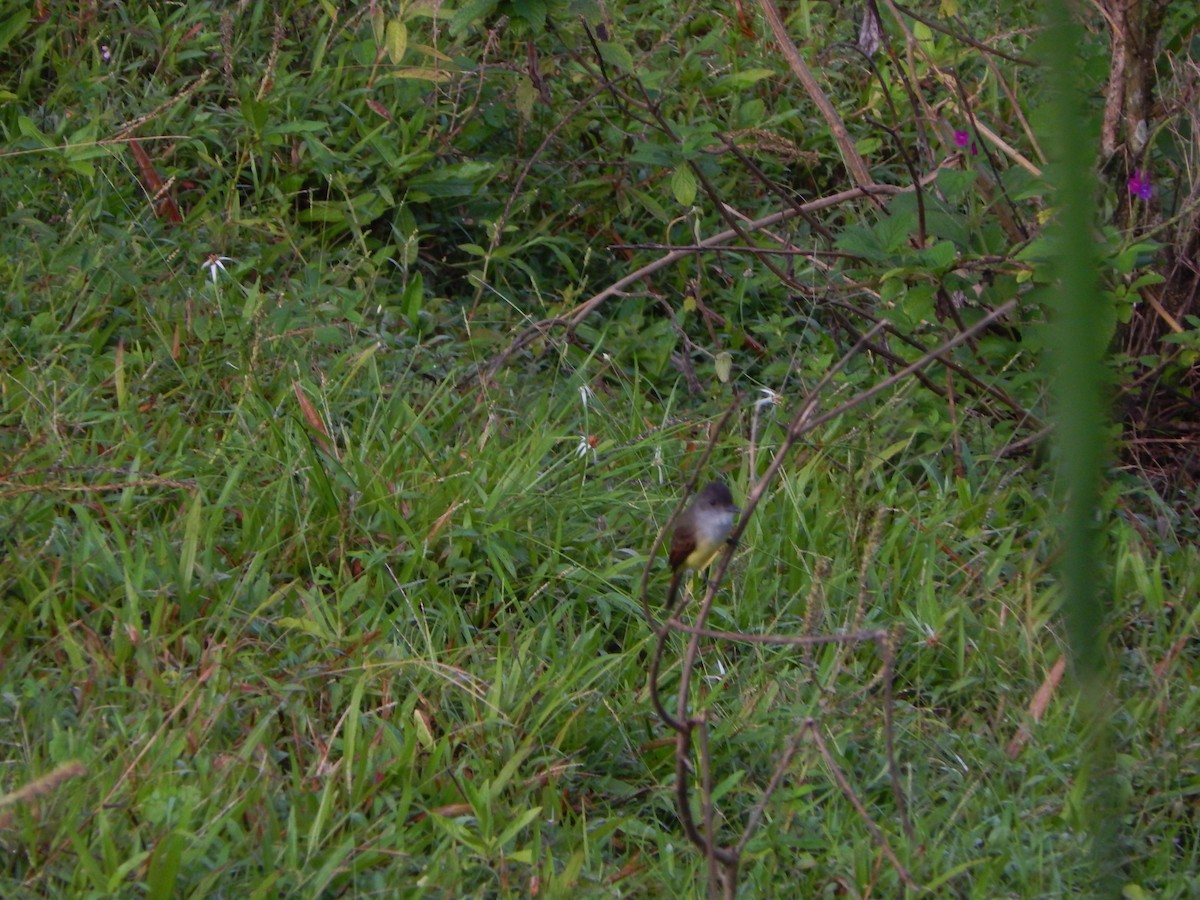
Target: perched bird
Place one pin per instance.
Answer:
(699, 532)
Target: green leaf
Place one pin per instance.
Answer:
(867, 145)
(860, 240)
(683, 185)
(14, 25)
(525, 97)
(191, 542)
(746, 78)
(895, 230)
(455, 180)
(652, 205)
(724, 365)
(516, 825)
(162, 871)
(27, 129)
(326, 211)
(531, 11)
(940, 255)
(414, 297)
(652, 154)
(397, 40)
(617, 56)
(955, 184)
(471, 13)
(913, 304)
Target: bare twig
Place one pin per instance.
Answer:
(850, 156)
(723, 861)
(848, 792)
(617, 288)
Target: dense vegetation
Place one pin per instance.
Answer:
(352, 358)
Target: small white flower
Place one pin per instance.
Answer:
(720, 673)
(215, 262)
(585, 394)
(587, 442)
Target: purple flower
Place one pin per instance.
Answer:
(1139, 185)
(963, 138)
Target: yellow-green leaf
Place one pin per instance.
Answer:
(526, 94)
(423, 73)
(724, 364)
(397, 40)
(683, 184)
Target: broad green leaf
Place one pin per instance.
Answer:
(746, 78)
(683, 184)
(525, 96)
(473, 12)
(397, 40)
(939, 255)
(14, 25)
(616, 55)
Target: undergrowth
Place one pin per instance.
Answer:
(304, 594)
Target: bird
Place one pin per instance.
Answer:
(699, 533)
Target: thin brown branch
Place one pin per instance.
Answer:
(935, 25)
(848, 792)
(850, 156)
(617, 288)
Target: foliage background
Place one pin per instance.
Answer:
(305, 596)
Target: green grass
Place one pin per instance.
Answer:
(418, 665)
(295, 602)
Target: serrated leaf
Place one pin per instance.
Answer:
(937, 256)
(955, 183)
(471, 13)
(895, 230)
(616, 55)
(859, 240)
(683, 184)
(532, 11)
(917, 304)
